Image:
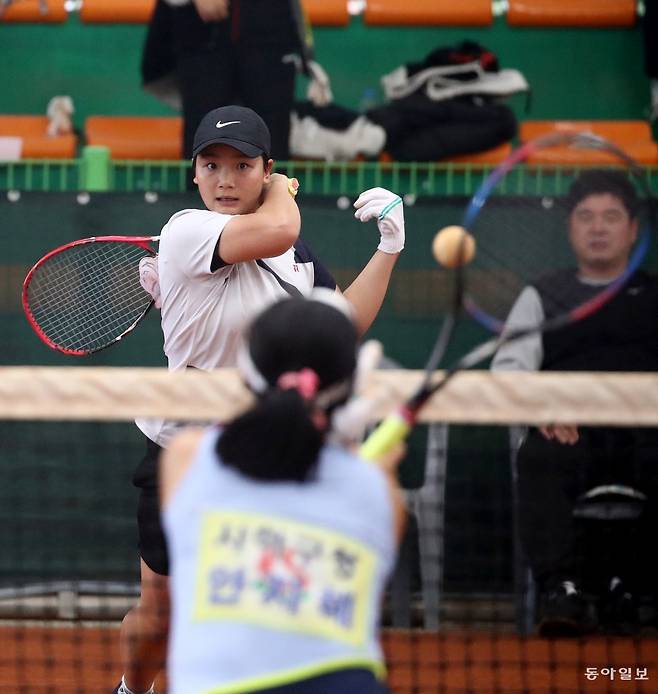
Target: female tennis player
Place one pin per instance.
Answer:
(217, 268)
(281, 543)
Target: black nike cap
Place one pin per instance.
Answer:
(237, 126)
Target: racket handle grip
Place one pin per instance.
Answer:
(389, 433)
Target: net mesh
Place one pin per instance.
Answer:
(457, 615)
(522, 240)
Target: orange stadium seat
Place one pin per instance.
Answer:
(319, 12)
(116, 11)
(50, 11)
(594, 13)
(429, 12)
(137, 137)
(488, 157)
(633, 136)
(326, 12)
(36, 143)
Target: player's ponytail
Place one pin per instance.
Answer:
(299, 359)
(275, 440)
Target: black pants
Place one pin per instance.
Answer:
(152, 543)
(237, 61)
(342, 682)
(253, 78)
(651, 38)
(551, 478)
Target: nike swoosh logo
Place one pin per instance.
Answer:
(228, 122)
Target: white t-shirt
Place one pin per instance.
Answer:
(204, 312)
(275, 582)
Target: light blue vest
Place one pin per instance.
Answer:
(275, 582)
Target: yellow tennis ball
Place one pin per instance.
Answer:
(453, 246)
(293, 186)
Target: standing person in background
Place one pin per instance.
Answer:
(558, 464)
(200, 54)
(651, 52)
(281, 544)
(216, 268)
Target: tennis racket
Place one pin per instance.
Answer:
(86, 295)
(518, 237)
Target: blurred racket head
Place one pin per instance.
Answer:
(521, 239)
(86, 295)
(523, 236)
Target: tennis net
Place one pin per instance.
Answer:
(459, 613)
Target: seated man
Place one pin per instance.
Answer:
(557, 464)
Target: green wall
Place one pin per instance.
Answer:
(55, 475)
(583, 73)
(574, 73)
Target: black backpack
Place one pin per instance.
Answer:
(466, 53)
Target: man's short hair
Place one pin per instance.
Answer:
(598, 181)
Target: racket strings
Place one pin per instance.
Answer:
(89, 295)
(520, 239)
(523, 237)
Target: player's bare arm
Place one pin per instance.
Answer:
(366, 293)
(388, 463)
(175, 461)
(269, 231)
(368, 290)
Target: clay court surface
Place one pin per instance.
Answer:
(41, 659)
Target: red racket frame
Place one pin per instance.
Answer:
(141, 241)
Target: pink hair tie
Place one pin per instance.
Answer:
(305, 382)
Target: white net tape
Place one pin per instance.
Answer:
(477, 397)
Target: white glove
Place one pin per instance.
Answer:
(387, 208)
(149, 278)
